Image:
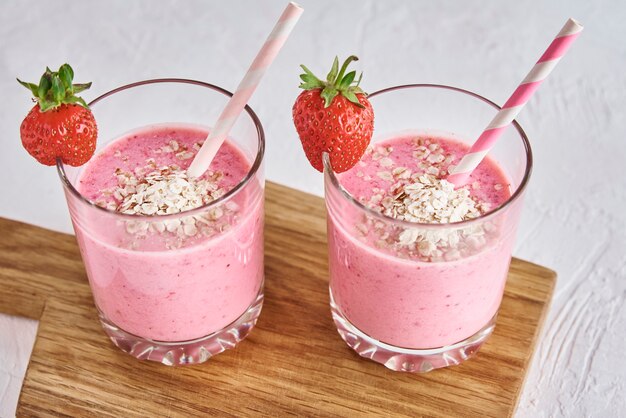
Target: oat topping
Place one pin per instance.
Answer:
(423, 197)
(421, 194)
(430, 200)
(151, 190)
(164, 191)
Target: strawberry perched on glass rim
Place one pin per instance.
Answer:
(60, 125)
(333, 116)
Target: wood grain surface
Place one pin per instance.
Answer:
(293, 363)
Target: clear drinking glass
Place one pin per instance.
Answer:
(161, 297)
(392, 306)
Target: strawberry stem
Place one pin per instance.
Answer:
(336, 82)
(56, 88)
(345, 66)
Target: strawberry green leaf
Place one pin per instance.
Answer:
(67, 69)
(77, 88)
(307, 71)
(58, 91)
(310, 81)
(328, 94)
(82, 102)
(56, 88)
(44, 85)
(359, 80)
(77, 100)
(345, 66)
(332, 75)
(45, 105)
(352, 98)
(347, 80)
(336, 83)
(311, 84)
(30, 86)
(66, 75)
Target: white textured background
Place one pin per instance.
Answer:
(575, 216)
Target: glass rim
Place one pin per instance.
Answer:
(239, 186)
(330, 174)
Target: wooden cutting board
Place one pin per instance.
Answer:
(293, 363)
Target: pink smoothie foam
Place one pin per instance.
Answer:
(157, 285)
(401, 298)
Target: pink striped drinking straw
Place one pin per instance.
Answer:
(516, 102)
(248, 84)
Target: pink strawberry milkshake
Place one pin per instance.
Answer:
(426, 287)
(175, 277)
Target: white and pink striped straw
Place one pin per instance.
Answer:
(559, 46)
(246, 88)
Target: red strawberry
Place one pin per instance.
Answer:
(60, 125)
(333, 116)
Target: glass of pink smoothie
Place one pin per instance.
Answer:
(417, 274)
(175, 265)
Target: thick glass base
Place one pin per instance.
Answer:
(407, 359)
(180, 353)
